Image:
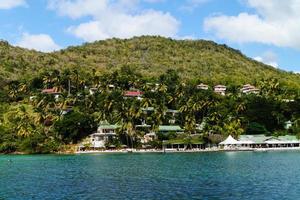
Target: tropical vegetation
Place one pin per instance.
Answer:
(89, 82)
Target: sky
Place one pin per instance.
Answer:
(265, 30)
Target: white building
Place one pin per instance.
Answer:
(105, 133)
(202, 86)
(220, 89)
(249, 89)
(249, 142)
(288, 124)
(148, 137)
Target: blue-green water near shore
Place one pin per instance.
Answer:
(222, 175)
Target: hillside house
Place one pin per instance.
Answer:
(202, 86)
(133, 94)
(249, 89)
(220, 89)
(52, 91)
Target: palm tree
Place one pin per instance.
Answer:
(23, 120)
(13, 90)
(233, 127)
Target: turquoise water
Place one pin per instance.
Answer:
(230, 175)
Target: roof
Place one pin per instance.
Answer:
(249, 89)
(168, 111)
(133, 93)
(163, 127)
(173, 111)
(50, 91)
(108, 126)
(220, 86)
(148, 109)
(201, 85)
(174, 141)
(193, 140)
(103, 134)
(143, 126)
(260, 139)
(288, 137)
(170, 128)
(229, 140)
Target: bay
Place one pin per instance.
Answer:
(214, 175)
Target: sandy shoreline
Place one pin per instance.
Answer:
(186, 151)
(166, 151)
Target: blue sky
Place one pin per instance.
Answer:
(266, 30)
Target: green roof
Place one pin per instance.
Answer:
(255, 138)
(262, 138)
(108, 126)
(161, 128)
(174, 141)
(143, 126)
(170, 128)
(287, 138)
(184, 141)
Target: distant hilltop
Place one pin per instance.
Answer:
(151, 56)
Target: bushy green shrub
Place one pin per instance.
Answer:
(255, 128)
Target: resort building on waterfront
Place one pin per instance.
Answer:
(220, 89)
(249, 89)
(148, 137)
(181, 144)
(162, 129)
(260, 141)
(202, 86)
(105, 133)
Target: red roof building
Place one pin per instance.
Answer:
(50, 91)
(133, 93)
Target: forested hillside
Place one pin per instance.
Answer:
(51, 102)
(151, 56)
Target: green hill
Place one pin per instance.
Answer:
(151, 56)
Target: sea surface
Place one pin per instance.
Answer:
(219, 175)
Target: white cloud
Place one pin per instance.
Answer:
(275, 22)
(115, 18)
(78, 8)
(40, 42)
(269, 58)
(8, 4)
(126, 26)
(191, 5)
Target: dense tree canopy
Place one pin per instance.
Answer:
(88, 85)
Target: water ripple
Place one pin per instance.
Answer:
(234, 175)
